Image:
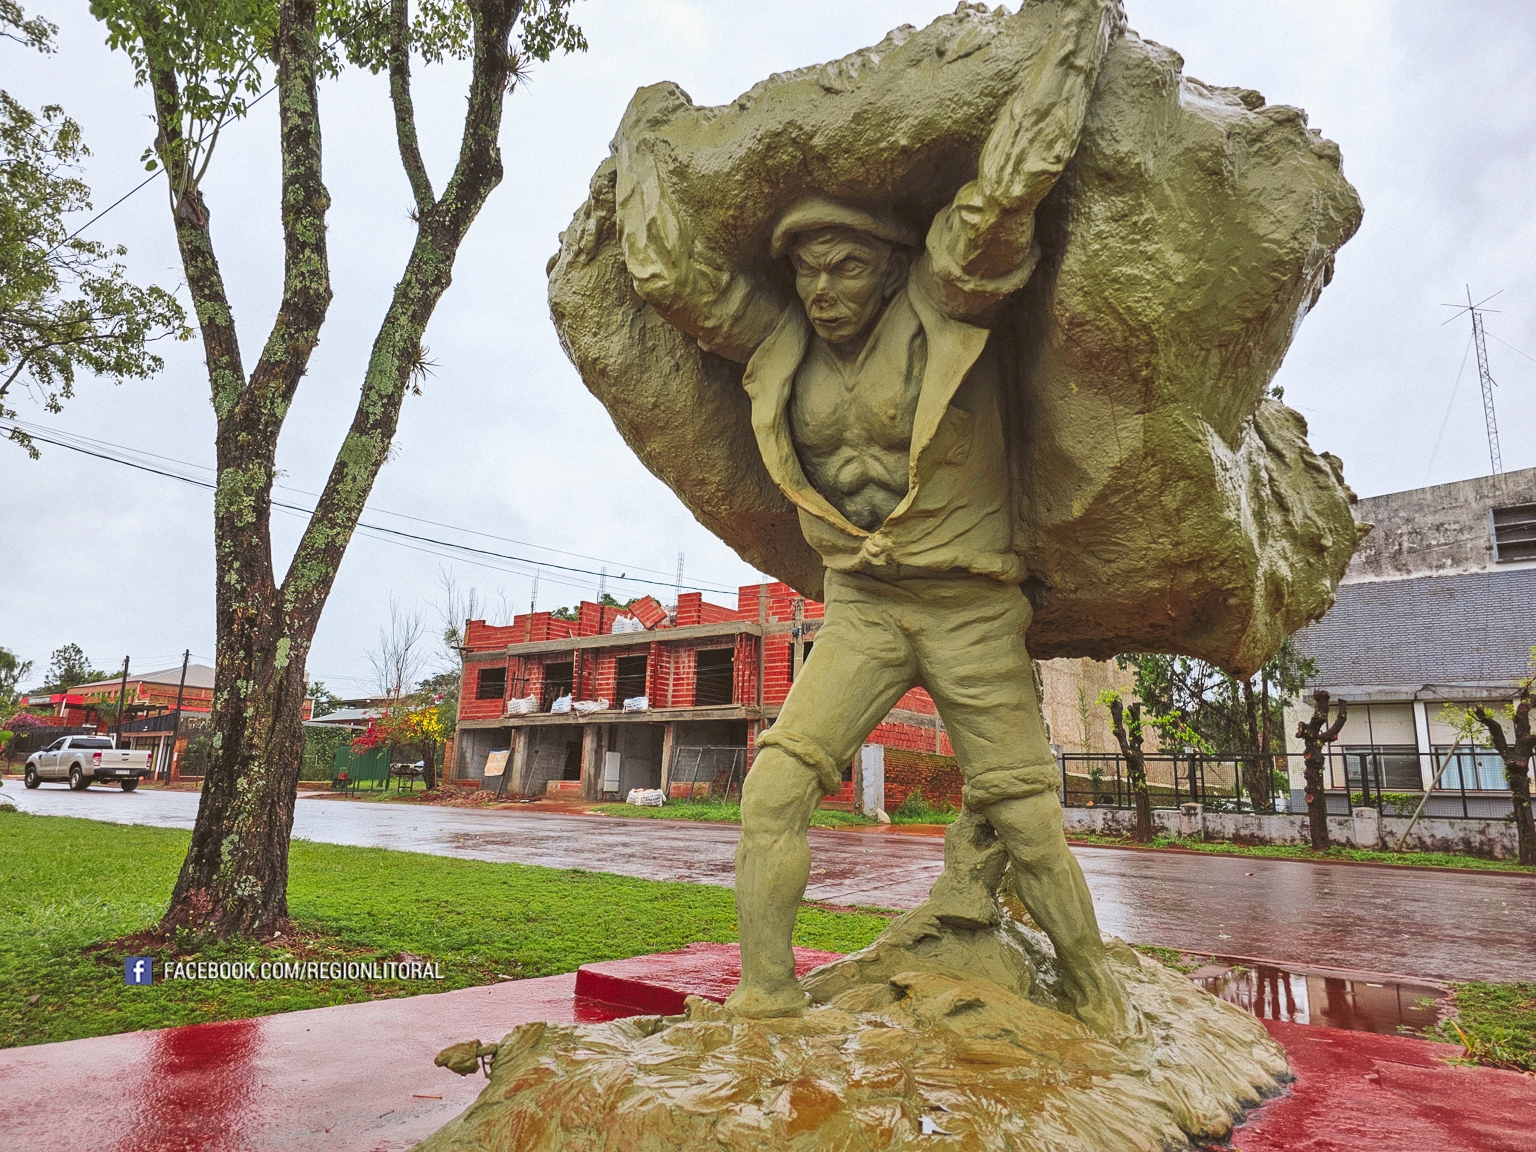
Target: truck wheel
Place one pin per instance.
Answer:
(77, 780)
(31, 780)
(128, 785)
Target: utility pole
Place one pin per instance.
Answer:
(170, 761)
(1484, 375)
(122, 697)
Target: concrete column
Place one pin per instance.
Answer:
(668, 735)
(1192, 820)
(591, 760)
(518, 761)
(1367, 827)
(869, 780)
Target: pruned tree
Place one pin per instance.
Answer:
(204, 62)
(66, 303)
(1130, 737)
(1516, 748)
(1315, 735)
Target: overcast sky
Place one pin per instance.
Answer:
(1432, 105)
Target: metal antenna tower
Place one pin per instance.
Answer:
(1477, 310)
(679, 577)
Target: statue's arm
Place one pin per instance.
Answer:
(982, 246)
(729, 310)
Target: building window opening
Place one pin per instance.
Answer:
(715, 677)
(1478, 769)
(492, 684)
(558, 680)
(1383, 768)
(1514, 533)
(629, 678)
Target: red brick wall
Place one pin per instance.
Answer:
(469, 707)
(692, 609)
(480, 636)
(937, 776)
(912, 737)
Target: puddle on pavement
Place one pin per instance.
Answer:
(1324, 1000)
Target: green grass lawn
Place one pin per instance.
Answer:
(1496, 1023)
(1301, 852)
(68, 884)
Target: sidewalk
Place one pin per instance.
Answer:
(360, 1078)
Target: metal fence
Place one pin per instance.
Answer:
(715, 771)
(1388, 778)
(1224, 782)
(368, 769)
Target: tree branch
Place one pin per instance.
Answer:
(405, 110)
(205, 283)
(306, 268)
(397, 348)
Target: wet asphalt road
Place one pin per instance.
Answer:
(1411, 922)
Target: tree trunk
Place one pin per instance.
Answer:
(1256, 776)
(234, 880)
(1136, 769)
(1130, 739)
(1317, 800)
(428, 764)
(1316, 734)
(1518, 770)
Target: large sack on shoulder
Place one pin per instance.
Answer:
(1163, 503)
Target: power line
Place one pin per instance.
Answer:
(43, 432)
(395, 533)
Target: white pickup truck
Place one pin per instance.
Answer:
(87, 760)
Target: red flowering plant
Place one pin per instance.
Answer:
(410, 721)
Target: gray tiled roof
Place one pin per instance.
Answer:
(1477, 627)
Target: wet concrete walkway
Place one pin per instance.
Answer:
(1411, 922)
(360, 1078)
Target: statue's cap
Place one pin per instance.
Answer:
(823, 212)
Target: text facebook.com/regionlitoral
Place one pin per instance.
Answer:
(167, 972)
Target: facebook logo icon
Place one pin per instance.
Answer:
(138, 970)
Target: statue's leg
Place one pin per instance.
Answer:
(773, 864)
(860, 668)
(1049, 882)
(975, 665)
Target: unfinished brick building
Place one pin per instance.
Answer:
(711, 679)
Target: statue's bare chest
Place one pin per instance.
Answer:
(866, 405)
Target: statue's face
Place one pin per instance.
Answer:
(843, 278)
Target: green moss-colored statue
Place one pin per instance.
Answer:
(969, 335)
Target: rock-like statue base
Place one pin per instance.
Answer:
(935, 1030)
